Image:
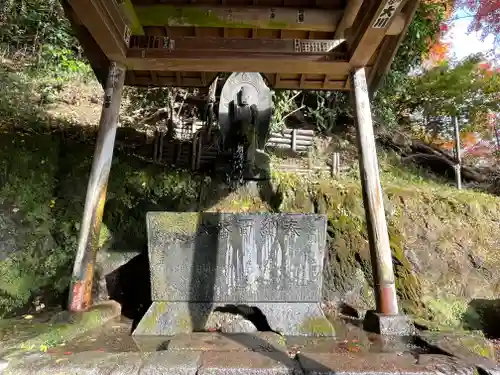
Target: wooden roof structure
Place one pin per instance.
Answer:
(295, 44)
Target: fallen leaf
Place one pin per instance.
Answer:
(28, 317)
(68, 353)
(61, 359)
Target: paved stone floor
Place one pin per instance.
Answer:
(111, 350)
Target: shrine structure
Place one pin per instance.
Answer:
(345, 45)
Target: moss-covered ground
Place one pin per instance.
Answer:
(444, 241)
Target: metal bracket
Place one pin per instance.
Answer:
(168, 43)
(300, 16)
(126, 36)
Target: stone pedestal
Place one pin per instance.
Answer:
(390, 325)
(270, 263)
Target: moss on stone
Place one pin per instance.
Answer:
(478, 345)
(317, 327)
(407, 283)
(150, 320)
(171, 15)
(182, 223)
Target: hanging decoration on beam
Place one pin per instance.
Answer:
(384, 18)
(311, 46)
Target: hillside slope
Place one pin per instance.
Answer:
(445, 242)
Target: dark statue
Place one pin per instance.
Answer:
(244, 118)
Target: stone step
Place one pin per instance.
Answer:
(214, 342)
(190, 362)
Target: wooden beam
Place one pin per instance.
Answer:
(164, 46)
(378, 235)
(348, 17)
(230, 55)
(128, 11)
(397, 25)
(291, 84)
(96, 19)
(88, 241)
(384, 60)
(374, 19)
(262, 64)
(238, 17)
(94, 53)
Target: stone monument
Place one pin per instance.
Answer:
(246, 103)
(272, 263)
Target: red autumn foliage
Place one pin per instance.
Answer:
(438, 50)
(486, 17)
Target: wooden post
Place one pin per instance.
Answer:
(458, 156)
(294, 139)
(83, 271)
(335, 164)
(380, 250)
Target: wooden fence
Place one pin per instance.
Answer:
(298, 140)
(191, 150)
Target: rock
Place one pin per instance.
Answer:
(239, 326)
(229, 323)
(473, 350)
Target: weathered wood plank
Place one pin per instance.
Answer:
(238, 17)
(161, 55)
(100, 26)
(372, 22)
(319, 47)
(128, 11)
(88, 241)
(348, 17)
(378, 235)
(384, 60)
(263, 64)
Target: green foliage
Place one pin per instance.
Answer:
(16, 99)
(26, 207)
(456, 90)
(43, 181)
(421, 35)
(394, 90)
(28, 25)
(330, 108)
(285, 104)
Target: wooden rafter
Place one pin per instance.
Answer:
(348, 17)
(238, 17)
(390, 47)
(94, 16)
(374, 19)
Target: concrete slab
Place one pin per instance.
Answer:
(95, 363)
(394, 325)
(248, 363)
(261, 341)
(365, 364)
